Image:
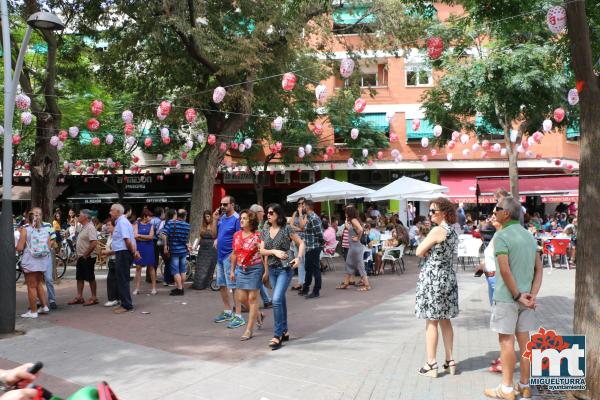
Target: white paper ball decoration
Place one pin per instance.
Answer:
(60, 145)
(278, 124)
(159, 157)
(547, 125)
(54, 140)
(301, 152)
(73, 131)
(164, 132)
(109, 139)
(26, 118)
(464, 138)
(424, 142)
(219, 94)
(354, 133)
(529, 154)
(503, 152)
(321, 93)
(496, 147)
(365, 152)
(346, 67)
(130, 140)
(437, 131)
(531, 140)
(308, 148)
(520, 149)
(475, 147)
(573, 97)
(167, 171)
(395, 153)
(127, 116)
(189, 144)
(159, 114)
(242, 147)
(200, 138)
(466, 152)
(449, 156)
(556, 18)
(350, 161)
(248, 143)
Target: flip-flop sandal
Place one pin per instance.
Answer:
(76, 301)
(246, 336)
(363, 289)
(342, 286)
(90, 303)
(496, 368)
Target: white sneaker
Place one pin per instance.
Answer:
(111, 303)
(153, 292)
(135, 292)
(44, 310)
(29, 314)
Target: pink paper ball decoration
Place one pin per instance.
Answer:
(538, 136)
(128, 129)
(330, 150)
(219, 94)
(22, 101)
(346, 67)
(223, 147)
(380, 155)
(165, 107)
(97, 107)
(433, 152)
(424, 159)
(93, 124)
(395, 153)
(485, 145)
(54, 140)
(451, 145)
(464, 138)
(476, 147)
(416, 124)
(63, 135)
(354, 133)
(559, 114)
(288, 81)
(165, 140)
(130, 140)
(96, 141)
(278, 146)
(360, 105)
(449, 156)
(190, 115)
(318, 129)
(148, 142)
(164, 132)
(26, 118)
(109, 139)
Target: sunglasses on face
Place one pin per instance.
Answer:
(271, 212)
(432, 211)
(224, 204)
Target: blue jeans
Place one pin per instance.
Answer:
(280, 279)
(301, 267)
(49, 280)
(264, 294)
(178, 264)
(491, 281)
(223, 273)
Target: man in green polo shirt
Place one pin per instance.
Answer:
(517, 286)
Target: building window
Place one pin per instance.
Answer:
(349, 20)
(418, 75)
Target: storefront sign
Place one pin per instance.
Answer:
(482, 200)
(136, 183)
(560, 199)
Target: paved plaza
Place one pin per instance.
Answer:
(345, 345)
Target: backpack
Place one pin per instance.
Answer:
(38, 242)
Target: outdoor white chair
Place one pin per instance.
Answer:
(468, 250)
(328, 258)
(389, 257)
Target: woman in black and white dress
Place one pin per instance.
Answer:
(437, 289)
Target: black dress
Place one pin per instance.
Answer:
(206, 260)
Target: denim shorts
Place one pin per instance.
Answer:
(178, 264)
(249, 279)
(223, 271)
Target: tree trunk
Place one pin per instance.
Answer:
(260, 192)
(587, 281)
(205, 164)
(513, 167)
(44, 165)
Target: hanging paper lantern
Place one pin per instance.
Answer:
(485, 145)
(466, 152)
(435, 47)
(318, 129)
(26, 118)
(437, 131)
(325, 157)
(525, 143)
(393, 137)
(365, 153)
(380, 155)
(200, 138)
(559, 114)
(370, 163)
(173, 163)
(130, 140)
(520, 149)
(277, 124)
(330, 150)
(97, 107)
(167, 171)
(547, 125)
(22, 101)
(288, 81)
(164, 132)
(464, 138)
(321, 93)
(424, 142)
(530, 141)
(503, 152)
(212, 139)
(538, 136)
(475, 147)
(27, 166)
(433, 152)
(148, 142)
(242, 147)
(54, 140)
(451, 145)
(159, 157)
(529, 154)
(63, 135)
(190, 115)
(579, 85)
(93, 124)
(556, 18)
(159, 114)
(165, 107)
(128, 129)
(424, 159)
(60, 146)
(395, 153)
(346, 67)
(96, 141)
(308, 148)
(219, 94)
(234, 145)
(78, 163)
(416, 125)
(301, 152)
(248, 142)
(354, 133)
(573, 97)
(189, 144)
(390, 116)
(165, 140)
(359, 105)
(350, 161)
(127, 116)
(109, 139)
(496, 147)
(183, 155)
(278, 146)
(73, 131)
(65, 164)
(223, 147)
(484, 154)
(455, 135)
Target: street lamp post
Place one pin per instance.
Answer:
(39, 20)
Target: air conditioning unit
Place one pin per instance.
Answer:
(307, 177)
(281, 179)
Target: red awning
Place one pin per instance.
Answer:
(533, 185)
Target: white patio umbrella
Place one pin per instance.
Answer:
(329, 189)
(405, 188)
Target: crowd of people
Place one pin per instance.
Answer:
(254, 254)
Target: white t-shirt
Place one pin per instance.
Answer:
(489, 264)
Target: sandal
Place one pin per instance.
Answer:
(343, 286)
(430, 371)
(90, 302)
(364, 288)
(451, 365)
(246, 336)
(275, 343)
(260, 320)
(496, 368)
(285, 337)
(76, 300)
